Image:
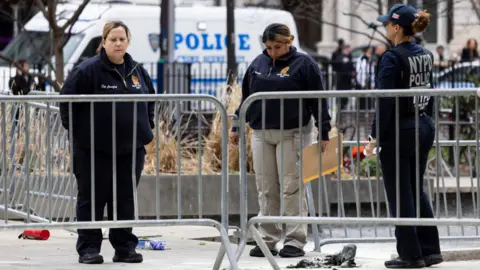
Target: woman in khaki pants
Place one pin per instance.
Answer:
(282, 68)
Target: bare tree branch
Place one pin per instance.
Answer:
(365, 22)
(75, 15)
(46, 13)
(476, 7)
(371, 6)
(319, 22)
(380, 7)
(54, 84)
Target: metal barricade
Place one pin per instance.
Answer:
(345, 223)
(37, 169)
(31, 122)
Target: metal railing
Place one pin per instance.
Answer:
(38, 183)
(38, 170)
(435, 171)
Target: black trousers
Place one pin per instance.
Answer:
(122, 239)
(412, 241)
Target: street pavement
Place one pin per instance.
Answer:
(182, 252)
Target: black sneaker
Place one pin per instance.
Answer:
(433, 259)
(291, 252)
(257, 252)
(91, 259)
(400, 263)
(132, 257)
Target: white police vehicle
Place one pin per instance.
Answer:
(200, 39)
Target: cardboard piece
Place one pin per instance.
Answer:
(310, 157)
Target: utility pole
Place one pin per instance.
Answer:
(231, 59)
(167, 50)
(15, 8)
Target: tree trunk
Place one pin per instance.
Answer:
(59, 36)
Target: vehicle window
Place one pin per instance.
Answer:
(34, 46)
(29, 46)
(91, 49)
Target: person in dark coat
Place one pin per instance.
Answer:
(344, 69)
(280, 67)
(22, 83)
(112, 71)
(470, 52)
(406, 66)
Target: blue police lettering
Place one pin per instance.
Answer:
(206, 45)
(243, 39)
(192, 41)
(218, 38)
(178, 39)
(209, 42)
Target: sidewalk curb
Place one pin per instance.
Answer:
(452, 255)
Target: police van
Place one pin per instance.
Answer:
(200, 39)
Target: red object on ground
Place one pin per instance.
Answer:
(36, 234)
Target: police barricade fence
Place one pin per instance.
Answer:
(356, 176)
(37, 180)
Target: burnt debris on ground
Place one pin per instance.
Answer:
(343, 259)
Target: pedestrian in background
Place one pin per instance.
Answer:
(282, 68)
(344, 69)
(417, 246)
(22, 83)
(112, 71)
(470, 52)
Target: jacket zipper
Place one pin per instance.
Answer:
(123, 79)
(270, 71)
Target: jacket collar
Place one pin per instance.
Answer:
(130, 64)
(285, 57)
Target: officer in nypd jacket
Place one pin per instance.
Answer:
(406, 66)
(94, 76)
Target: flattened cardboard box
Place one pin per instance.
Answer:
(310, 159)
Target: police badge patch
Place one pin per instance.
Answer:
(154, 40)
(136, 83)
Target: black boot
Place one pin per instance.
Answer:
(291, 252)
(257, 252)
(401, 263)
(433, 259)
(91, 259)
(131, 257)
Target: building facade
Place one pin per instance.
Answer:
(320, 23)
(453, 21)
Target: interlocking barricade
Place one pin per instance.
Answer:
(38, 171)
(356, 189)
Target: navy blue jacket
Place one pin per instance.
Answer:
(294, 71)
(98, 76)
(389, 77)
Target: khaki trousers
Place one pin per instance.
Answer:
(267, 165)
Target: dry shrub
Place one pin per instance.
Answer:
(211, 145)
(15, 136)
(211, 158)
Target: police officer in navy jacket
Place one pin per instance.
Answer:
(282, 68)
(406, 66)
(112, 71)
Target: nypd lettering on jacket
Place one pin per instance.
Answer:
(420, 70)
(420, 73)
